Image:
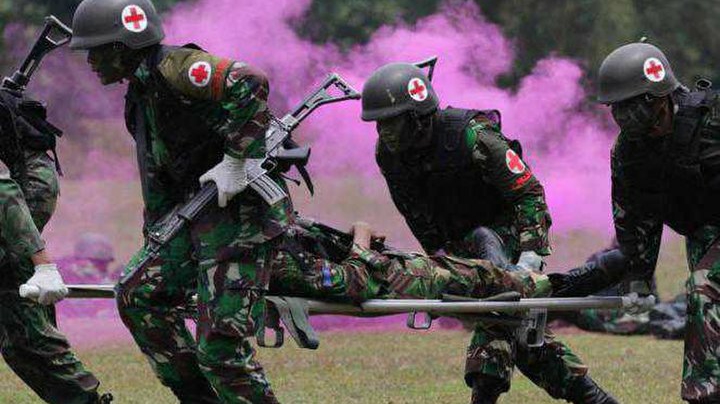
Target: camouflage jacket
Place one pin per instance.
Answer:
(185, 109)
(495, 188)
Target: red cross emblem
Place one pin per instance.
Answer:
(654, 69)
(418, 90)
(134, 18)
(199, 74)
(514, 164)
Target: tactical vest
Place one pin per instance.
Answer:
(678, 178)
(451, 188)
(24, 126)
(192, 140)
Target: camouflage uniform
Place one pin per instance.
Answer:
(185, 109)
(31, 344)
(477, 178)
(648, 190)
(306, 270)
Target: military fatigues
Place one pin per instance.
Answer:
(471, 177)
(301, 267)
(185, 109)
(673, 180)
(31, 344)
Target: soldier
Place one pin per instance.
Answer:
(312, 264)
(464, 189)
(664, 172)
(30, 343)
(195, 117)
(90, 262)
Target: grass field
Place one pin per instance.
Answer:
(394, 367)
(387, 367)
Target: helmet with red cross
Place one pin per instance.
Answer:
(395, 89)
(134, 23)
(635, 69)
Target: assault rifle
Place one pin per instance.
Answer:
(54, 35)
(280, 150)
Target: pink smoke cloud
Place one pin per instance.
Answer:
(567, 146)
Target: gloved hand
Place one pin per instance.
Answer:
(530, 261)
(48, 282)
(230, 176)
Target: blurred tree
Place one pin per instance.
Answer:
(349, 22)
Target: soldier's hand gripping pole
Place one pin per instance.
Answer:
(54, 35)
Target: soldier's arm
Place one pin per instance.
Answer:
(17, 227)
(517, 184)
(638, 232)
(409, 204)
(240, 88)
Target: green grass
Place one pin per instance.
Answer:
(400, 367)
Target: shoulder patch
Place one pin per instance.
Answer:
(514, 162)
(195, 73)
(199, 73)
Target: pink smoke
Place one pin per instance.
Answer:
(566, 142)
(567, 146)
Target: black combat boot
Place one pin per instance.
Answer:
(584, 390)
(101, 399)
(487, 390)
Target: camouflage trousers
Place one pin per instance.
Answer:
(493, 353)
(29, 341)
(229, 279)
(701, 363)
(33, 347)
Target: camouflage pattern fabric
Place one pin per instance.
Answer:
(30, 342)
(367, 274)
(493, 353)
(701, 366)
(223, 257)
(667, 320)
(645, 194)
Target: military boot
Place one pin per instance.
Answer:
(106, 398)
(584, 390)
(487, 390)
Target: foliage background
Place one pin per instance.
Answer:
(583, 29)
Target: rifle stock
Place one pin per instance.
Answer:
(54, 35)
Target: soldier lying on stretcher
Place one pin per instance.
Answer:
(313, 262)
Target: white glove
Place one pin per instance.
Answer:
(530, 261)
(47, 284)
(230, 177)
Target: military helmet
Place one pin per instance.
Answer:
(397, 88)
(94, 246)
(635, 69)
(134, 23)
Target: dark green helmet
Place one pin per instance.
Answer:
(635, 69)
(397, 88)
(134, 23)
